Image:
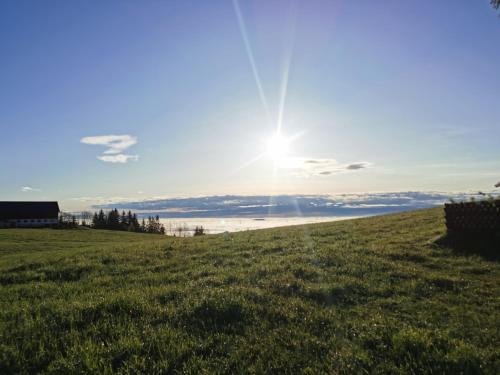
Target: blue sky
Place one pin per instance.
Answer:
(380, 96)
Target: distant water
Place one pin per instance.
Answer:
(235, 224)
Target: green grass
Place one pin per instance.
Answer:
(374, 295)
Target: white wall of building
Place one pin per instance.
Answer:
(28, 223)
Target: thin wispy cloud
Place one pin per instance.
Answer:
(356, 166)
(104, 200)
(115, 144)
(120, 158)
(29, 189)
(306, 167)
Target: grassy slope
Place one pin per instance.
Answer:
(368, 295)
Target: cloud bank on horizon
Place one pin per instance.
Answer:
(344, 205)
(116, 145)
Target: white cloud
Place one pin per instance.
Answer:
(116, 145)
(28, 189)
(120, 158)
(306, 167)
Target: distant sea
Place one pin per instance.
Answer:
(235, 224)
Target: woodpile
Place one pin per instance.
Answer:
(482, 217)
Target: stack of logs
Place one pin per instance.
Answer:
(473, 217)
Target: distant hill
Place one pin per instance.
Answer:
(374, 295)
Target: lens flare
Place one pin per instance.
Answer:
(278, 146)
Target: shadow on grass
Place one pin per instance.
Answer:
(485, 245)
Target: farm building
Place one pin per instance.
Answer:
(28, 214)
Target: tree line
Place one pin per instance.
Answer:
(113, 220)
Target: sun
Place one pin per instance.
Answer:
(278, 146)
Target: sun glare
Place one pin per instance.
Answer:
(277, 146)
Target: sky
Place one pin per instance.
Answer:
(189, 98)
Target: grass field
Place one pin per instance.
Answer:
(373, 295)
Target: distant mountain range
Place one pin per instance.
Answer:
(288, 205)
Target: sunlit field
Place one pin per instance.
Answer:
(374, 295)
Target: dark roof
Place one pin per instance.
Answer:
(28, 210)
